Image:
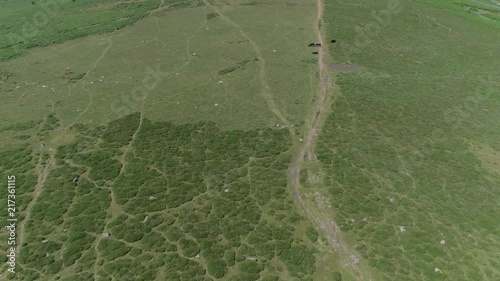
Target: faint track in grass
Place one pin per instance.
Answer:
(42, 173)
(266, 91)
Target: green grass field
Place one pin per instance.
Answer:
(169, 125)
(412, 140)
(149, 140)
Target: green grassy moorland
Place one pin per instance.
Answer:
(410, 151)
(28, 24)
(181, 202)
(170, 125)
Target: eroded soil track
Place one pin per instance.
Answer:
(322, 218)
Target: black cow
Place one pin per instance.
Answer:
(317, 45)
(311, 45)
(315, 53)
(333, 41)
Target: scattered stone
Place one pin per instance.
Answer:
(442, 242)
(106, 235)
(152, 197)
(226, 190)
(365, 219)
(197, 256)
(45, 241)
(47, 254)
(220, 82)
(402, 228)
(355, 260)
(390, 199)
(216, 104)
(145, 219)
(252, 258)
(42, 145)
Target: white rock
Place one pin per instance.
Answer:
(442, 242)
(437, 270)
(402, 228)
(226, 190)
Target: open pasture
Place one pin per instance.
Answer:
(157, 150)
(179, 64)
(407, 152)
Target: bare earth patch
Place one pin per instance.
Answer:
(488, 156)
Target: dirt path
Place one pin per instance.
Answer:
(42, 175)
(321, 217)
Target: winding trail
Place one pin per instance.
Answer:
(42, 173)
(320, 217)
(267, 93)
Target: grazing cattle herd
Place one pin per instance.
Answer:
(319, 45)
